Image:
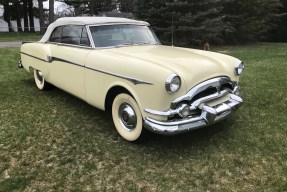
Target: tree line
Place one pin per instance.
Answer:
(185, 22)
(216, 21)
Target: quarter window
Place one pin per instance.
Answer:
(71, 34)
(56, 35)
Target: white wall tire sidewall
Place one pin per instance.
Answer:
(136, 132)
(39, 84)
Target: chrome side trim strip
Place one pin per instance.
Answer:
(51, 59)
(35, 57)
(133, 80)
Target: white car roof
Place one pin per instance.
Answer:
(88, 21)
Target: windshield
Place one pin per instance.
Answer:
(122, 35)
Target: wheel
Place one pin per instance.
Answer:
(41, 83)
(127, 117)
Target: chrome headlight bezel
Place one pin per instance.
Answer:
(239, 68)
(172, 83)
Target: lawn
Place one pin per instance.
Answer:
(21, 36)
(52, 141)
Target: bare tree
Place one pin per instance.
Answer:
(31, 15)
(17, 15)
(25, 16)
(41, 16)
(7, 14)
(51, 11)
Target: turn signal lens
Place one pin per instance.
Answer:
(184, 110)
(239, 68)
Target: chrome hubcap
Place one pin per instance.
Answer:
(39, 76)
(127, 116)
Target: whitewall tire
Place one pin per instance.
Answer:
(127, 117)
(40, 81)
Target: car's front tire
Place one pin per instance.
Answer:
(127, 117)
(40, 81)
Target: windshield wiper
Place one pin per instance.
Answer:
(124, 44)
(136, 44)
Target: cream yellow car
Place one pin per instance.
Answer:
(119, 65)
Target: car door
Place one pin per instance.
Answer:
(69, 49)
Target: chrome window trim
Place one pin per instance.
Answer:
(70, 45)
(110, 47)
(90, 36)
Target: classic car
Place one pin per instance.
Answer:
(119, 65)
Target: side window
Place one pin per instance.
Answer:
(84, 38)
(56, 35)
(71, 34)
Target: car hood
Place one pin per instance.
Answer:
(193, 66)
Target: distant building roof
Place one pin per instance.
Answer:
(116, 14)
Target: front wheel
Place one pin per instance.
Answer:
(127, 117)
(41, 83)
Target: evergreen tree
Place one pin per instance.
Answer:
(126, 5)
(192, 23)
(279, 34)
(249, 21)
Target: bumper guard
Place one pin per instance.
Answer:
(209, 115)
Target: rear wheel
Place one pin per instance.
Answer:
(40, 81)
(127, 117)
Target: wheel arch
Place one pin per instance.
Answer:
(114, 91)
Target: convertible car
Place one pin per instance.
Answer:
(119, 65)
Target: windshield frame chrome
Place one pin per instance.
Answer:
(118, 46)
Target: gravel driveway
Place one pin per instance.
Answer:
(10, 44)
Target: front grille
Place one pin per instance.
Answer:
(203, 90)
(204, 93)
(226, 86)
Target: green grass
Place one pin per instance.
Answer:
(52, 141)
(21, 36)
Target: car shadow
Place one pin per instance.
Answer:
(197, 138)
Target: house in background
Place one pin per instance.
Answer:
(116, 14)
(4, 25)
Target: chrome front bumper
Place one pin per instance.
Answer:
(226, 100)
(209, 115)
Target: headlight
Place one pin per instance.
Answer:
(239, 68)
(172, 83)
